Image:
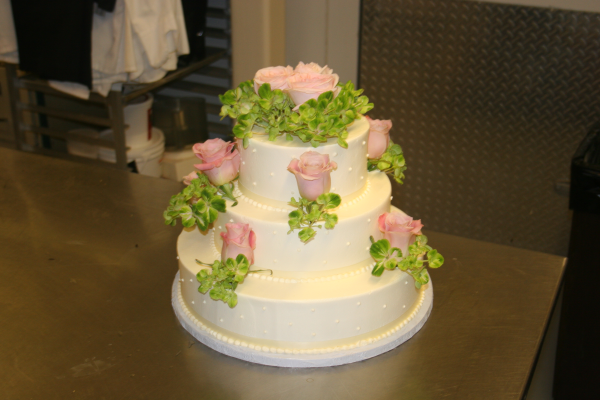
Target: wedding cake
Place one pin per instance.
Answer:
(291, 253)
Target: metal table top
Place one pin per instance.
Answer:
(85, 304)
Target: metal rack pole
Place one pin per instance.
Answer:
(115, 112)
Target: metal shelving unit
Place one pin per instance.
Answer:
(113, 104)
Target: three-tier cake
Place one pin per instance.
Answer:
(304, 301)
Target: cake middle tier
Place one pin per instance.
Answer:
(345, 245)
(264, 163)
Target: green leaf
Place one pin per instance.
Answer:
(377, 269)
(273, 133)
(330, 221)
(329, 200)
(314, 214)
(435, 259)
(398, 252)
(239, 131)
(218, 204)
(306, 234)
(227, 191)
(390, 264)
(380, 249)
(242, 263)
(216, 293)
(264, 91)
(232, 301)
(382, 165)
(342, 143)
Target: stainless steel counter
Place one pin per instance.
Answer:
(85, 307)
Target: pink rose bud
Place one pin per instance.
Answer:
(220, 164)
(312, 173)
(239, 239)
(302, 68)
(306, 86)
(400, 230)
(275, 76)
(189, 177)
(379, 136)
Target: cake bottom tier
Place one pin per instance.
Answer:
(318, 354)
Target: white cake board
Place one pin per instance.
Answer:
(305, 360)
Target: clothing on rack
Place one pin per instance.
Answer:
(54, 38)
(119, 41)
(8, 38)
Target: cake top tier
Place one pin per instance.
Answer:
(264, 168)
(306, 102)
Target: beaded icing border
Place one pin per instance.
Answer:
(279, 350)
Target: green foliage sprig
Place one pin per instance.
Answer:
(223, 279)
(388, 257)
(309, 213)
(272, 110)
(391, 162)
(199, 203)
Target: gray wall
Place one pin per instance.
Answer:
(489, 102)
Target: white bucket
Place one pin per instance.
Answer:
(83, 149)
(137, 115)
(147, 158)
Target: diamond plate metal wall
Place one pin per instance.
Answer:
(489, 103)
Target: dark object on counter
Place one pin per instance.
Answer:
(578, 349)
(182, 120)
(585, 174)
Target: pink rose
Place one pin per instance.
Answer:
(400, 230)
(302, 68)
(220, 164)
(312, 172)
(276, 76)
(306, 86)
(379, 136)
(239, 239)
(189, 177)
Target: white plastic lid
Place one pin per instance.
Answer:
(154, 146)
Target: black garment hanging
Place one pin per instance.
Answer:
(55, 37)
(194, 14)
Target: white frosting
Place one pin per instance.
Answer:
(302, 313)
(318, 297)
(196, 324)
(264, 163)
(344, 245)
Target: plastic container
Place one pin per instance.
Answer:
(83, 149)
(144, 159)
(179, 163)
(182, 120)
(137, 114)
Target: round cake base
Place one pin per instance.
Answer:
(189, 322)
